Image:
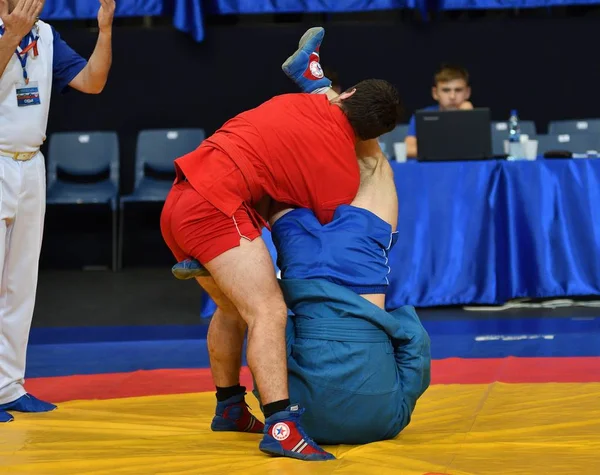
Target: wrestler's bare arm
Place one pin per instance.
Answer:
(377, 191)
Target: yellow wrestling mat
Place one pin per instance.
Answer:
(457, 429)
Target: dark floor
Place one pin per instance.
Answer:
(152, 296)
(131, 297)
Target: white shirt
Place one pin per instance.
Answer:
(23, 129)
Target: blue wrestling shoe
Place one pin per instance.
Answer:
(189, 269)
(5, 416)
(284, 437)
(28, 403)
(304, 67)
(234, 415)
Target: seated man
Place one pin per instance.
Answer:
(451, 90)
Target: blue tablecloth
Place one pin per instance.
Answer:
(490, 231)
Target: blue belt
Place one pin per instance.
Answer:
(339, 329)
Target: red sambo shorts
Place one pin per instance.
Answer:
(192, 227)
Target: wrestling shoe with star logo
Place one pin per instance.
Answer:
(304, 66)
(285, 437)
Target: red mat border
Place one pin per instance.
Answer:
(181, 381)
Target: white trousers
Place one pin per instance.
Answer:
(22, 209)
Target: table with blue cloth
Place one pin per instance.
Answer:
(487, 232)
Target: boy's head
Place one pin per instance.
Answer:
(451, 87)
(373, 108)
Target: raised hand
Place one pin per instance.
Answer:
(106, 14)
(21, 20)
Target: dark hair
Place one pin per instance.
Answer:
(374, 109)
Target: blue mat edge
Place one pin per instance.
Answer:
(56, 335)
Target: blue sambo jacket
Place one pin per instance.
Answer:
(357, 369)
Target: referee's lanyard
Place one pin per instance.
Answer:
(31, 41)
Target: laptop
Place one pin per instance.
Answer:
(453, 135)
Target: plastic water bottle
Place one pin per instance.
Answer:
(514, 136)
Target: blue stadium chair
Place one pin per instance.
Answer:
(83, 168)
(387, 141)
(589, 126)
(575, 143)
(500, 134)
(154, 170)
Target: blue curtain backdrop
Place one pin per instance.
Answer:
(187, 14)
(226, 7)
(501, 4)
(82, 9)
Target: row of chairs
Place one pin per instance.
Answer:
(83, 168)
(577, 136)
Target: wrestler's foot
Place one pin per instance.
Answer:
(28, 403)
(234, 415)
(303, 67)
(284, 437)
(189, 269)
(5, 417)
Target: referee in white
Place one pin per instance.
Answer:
(33, 60)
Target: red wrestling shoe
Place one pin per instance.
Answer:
(234, 415)
(284, 437)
